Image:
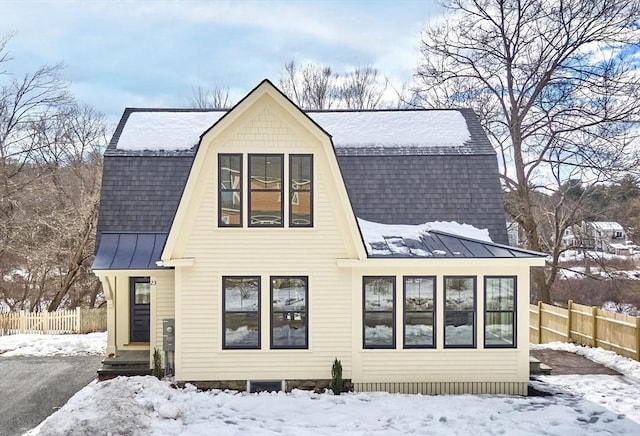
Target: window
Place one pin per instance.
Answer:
(500, 312)
(289, 299)
(266, 190)
(419, 312)
(379, 312)
(301, 190)
(241, 322)
(230, 190)
(460, 312)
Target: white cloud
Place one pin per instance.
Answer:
(160, 48)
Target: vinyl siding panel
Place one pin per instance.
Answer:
(163, 304)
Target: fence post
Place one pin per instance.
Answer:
(78, 329)
(22, 322)
(539, 322)
(45, 322)
(594, 326)
(638, 338)
(569, 307)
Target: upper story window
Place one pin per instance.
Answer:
(266, 190)
(301, 190)
(230, 190)
(269, 192)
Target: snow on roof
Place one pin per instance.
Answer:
(180, 130)
(165, 130)
(431, 128)
(607, 225)
(390, 236)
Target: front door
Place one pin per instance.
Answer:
(140, 301)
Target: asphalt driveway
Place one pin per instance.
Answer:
(32, 388)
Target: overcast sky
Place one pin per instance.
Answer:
(121, 54)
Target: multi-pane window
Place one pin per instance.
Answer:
(300, 190)
(266, 190)
(241, 321)
(419, 312)
(230, 190)
(289, 321)
(500, 312)
(379, 312)
(459, 312)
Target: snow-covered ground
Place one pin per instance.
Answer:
(92, 344)
(583, 405)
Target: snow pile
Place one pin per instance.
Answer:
(144, 405)
(54, 345)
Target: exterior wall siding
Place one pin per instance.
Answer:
(265, 252)
(162, 304)
(446, 388)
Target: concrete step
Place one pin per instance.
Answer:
(538, 368)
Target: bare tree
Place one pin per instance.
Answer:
(556, 86)
(210, 98)
(362, 88)
(50, 169)
(311, 87)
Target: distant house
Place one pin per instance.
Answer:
(513, 233)
(604, 236)
(600, 235)
(253, 246)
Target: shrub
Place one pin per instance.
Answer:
(337, 384)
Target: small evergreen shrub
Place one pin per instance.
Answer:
(157, 370)
(337, 384)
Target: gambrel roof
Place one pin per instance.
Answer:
(399, 167)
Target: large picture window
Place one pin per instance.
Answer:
(289, 309)
(230, 190)
(241, 322)
(460, 312)
(419, 312)
(301, 190)
(500, 312)
(379, 312)
(266, 190)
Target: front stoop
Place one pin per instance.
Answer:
(538, 368)
(125, 363)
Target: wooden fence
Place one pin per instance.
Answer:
(59, 322)
(585, 325)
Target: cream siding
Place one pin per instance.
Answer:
(162, 304)
(218, 252)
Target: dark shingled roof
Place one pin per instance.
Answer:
(393, 185)
(424, 188)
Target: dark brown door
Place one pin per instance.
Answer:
(140, 302)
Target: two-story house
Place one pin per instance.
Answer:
(272, 240)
